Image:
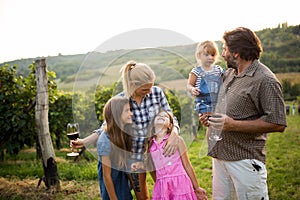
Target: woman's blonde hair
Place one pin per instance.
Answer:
(134, 75)
(208, 47)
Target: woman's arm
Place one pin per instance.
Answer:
(106, 168)
(200, 192)
(171, 144)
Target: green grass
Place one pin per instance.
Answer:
(283, 161)
(79, 179)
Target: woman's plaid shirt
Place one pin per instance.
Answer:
(143, 114)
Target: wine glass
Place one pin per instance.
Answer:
(214, 134)
(73, 134)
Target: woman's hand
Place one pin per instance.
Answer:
(172, 142)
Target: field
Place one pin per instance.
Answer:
(113, 75)
(294, 78)
(19, 174)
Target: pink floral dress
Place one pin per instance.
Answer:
(172, 181)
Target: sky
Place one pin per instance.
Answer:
(41, 28)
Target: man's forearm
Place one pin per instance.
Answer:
(251, 126)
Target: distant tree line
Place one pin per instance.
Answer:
(281, 53)
(281, 48)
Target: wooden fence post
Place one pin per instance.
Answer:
(41, 118)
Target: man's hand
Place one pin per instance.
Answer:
(203, 118)
(217, 121)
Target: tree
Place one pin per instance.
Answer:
(41, 118)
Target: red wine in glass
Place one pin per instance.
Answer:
(73, 134)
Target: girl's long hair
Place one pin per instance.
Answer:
(118, 132)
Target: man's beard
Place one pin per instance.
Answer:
(231, 62)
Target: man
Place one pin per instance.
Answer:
(254, 105)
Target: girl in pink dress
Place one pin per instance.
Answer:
(174, 176)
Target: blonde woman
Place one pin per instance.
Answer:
(145, 101)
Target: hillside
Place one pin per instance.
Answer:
(281, 53)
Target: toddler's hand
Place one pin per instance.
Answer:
(195, 91)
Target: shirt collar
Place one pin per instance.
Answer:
(164, 139)
(147, 95)
(250, 70)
